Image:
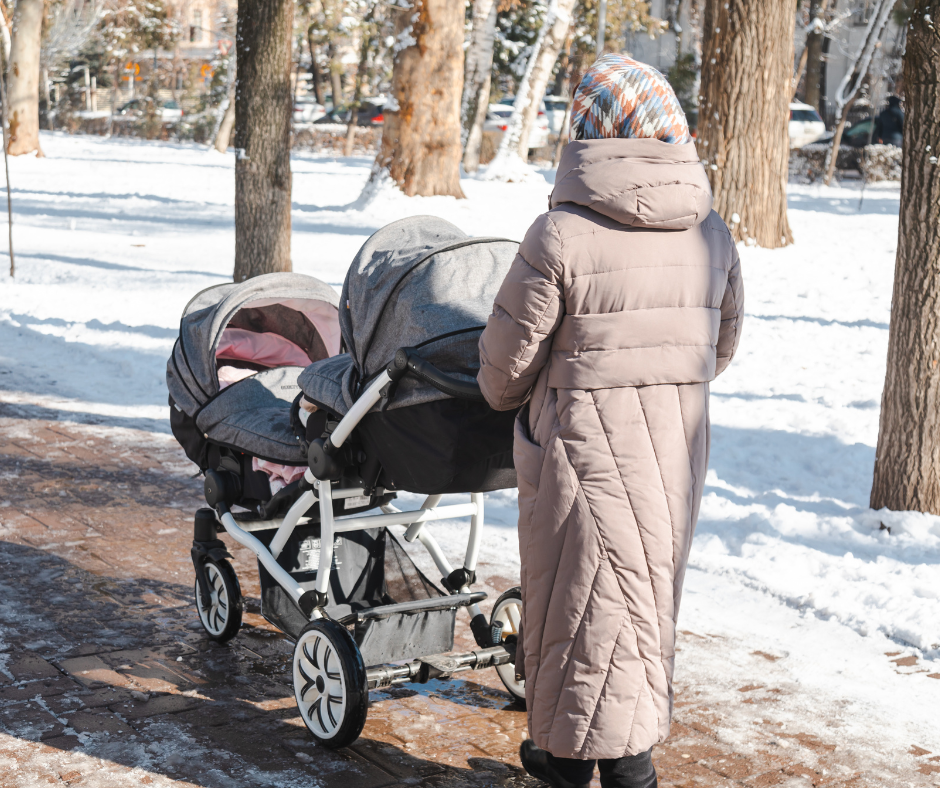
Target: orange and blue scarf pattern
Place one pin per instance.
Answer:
(620, 97)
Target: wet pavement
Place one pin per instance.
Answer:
(106, 678)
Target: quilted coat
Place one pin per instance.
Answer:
(623, 302)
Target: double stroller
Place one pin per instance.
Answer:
(308, 414)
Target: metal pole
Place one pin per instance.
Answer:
(601, 25)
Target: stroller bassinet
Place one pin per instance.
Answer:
(423, 284)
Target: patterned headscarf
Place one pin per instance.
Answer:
(620, 97)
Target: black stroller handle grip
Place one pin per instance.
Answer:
(408, 361)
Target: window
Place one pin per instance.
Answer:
(805, 115)
(195, 33)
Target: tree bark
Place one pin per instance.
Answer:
(907, 461)
(747, 66)
(420, 148)
(262, 138)
(22, 134)
(478, 68)
(314, 67)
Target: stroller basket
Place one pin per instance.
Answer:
(374, 585)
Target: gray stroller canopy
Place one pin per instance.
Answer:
(273, 325)
(419, 282)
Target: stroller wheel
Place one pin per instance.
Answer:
(330, 683)
(508, 612)
(222, 617)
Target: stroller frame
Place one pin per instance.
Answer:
(327, 662)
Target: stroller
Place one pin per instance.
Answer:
(295, 474)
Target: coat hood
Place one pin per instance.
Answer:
(637, 182)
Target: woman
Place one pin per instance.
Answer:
(624, 301)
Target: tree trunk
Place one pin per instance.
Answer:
(824, 80)
(814, 52)
(907, 462)
(833, 155)
(556, 32)
(420, 148)
(478, 69)
(224, 135)
(367, 35)
(22, 135)
(225, 119)
(798, 73)
(747, 64)
(262, 138)
(336, 75)
(314, 67)
(514, 146)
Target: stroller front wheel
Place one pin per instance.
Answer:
(330, 683)
(222, 616)
(508, 613)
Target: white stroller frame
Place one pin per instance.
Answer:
(327, 662)
(329, 526)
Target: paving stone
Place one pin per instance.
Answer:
(93, 671)
(161, 704)
(29, 721)
(31, 666)
(43, 688)
(97, 722)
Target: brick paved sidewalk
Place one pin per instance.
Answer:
(107, 680)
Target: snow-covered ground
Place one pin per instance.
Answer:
(113, 237)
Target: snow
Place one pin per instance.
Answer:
(113, 237)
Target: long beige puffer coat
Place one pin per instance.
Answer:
(624, 300)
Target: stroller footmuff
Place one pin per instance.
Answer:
(398, 411)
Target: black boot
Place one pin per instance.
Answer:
(538, 763)
(631, 771)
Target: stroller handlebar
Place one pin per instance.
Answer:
(407, 361)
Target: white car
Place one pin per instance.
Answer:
(805, 125)
(497, 119)
(555, 107)
(307, 110)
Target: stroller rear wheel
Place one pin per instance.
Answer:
(222, 617)
(507, 612)
(330, 683)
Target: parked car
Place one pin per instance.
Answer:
(497, 119)
(333, 116)
(135, 109)
(555, 107)
(307, 110)
(805, 125)
(860, 134)
(371, 112)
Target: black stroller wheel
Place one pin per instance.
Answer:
(222, 617)
(508, 612)
(330, 683)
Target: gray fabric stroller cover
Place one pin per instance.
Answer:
(419, 282)
(272, 325)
